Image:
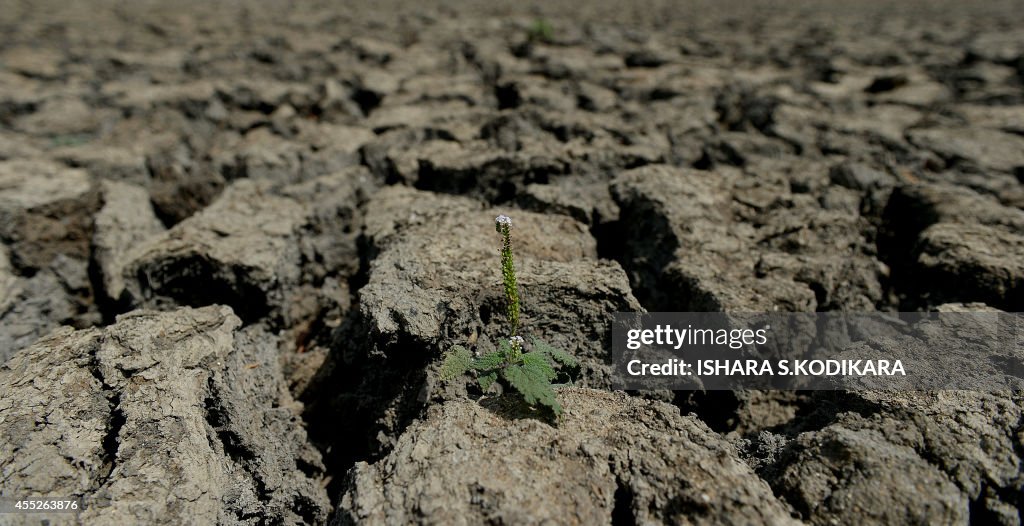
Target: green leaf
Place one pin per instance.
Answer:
(534, 384)
(557, 355)
(487, 380)
(456, 362)
(539, 362)
(489, 361)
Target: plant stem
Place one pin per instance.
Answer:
(508, 274)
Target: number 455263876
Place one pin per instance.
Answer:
(40, 505)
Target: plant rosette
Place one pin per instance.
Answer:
(533, 372)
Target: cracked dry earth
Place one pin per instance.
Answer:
(236, 238)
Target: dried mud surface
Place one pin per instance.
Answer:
(236, 238)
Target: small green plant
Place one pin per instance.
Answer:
(541, 31)
(530, 373)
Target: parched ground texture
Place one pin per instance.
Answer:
(235, 239)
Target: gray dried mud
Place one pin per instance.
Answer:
(235, 240)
